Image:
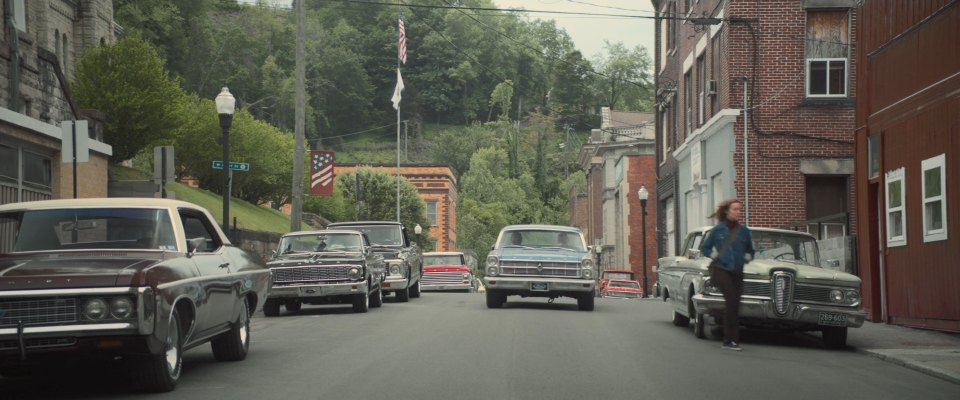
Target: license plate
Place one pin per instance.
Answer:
(538, 287)
(832, 319)
(309, 292)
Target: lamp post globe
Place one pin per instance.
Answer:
(226, 104)
(643, 194)
(418, 229)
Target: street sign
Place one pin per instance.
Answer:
(236, 166)
(80, 136)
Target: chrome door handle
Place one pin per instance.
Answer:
(224, 265)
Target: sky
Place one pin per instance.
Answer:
(588, 32)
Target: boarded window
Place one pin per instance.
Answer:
(827, 53)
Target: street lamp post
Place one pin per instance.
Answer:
(643, 194)
(225, 107)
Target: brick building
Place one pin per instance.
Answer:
(437, 186)
(42, 39)
(618, 159)
(908, 144)
(785, 69)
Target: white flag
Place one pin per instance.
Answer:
(396, 91)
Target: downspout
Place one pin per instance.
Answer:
(14, 42)
(746, 158)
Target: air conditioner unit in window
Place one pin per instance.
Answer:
(712, 87)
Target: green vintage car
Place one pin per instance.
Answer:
(785, 288)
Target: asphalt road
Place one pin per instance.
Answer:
(450, 346)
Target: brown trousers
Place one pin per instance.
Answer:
(731, 285)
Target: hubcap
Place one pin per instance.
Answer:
(173, 348)
(245, 330)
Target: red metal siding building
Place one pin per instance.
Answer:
(907, 149)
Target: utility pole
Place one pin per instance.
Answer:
(566, 145)
(300, 121)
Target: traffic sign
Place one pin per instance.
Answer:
(236, 166)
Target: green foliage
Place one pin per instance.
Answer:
(128, 83)
(378, 198)
(336, 208)
(248, 216)
(624, 66)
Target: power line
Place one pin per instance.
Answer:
(355, 133)
(608, 7)
(501, 9)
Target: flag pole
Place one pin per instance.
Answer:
(399, 16)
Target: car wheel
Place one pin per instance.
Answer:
(293, 305)
(699, 322)
(680, 320)
(235, 343)
(585, 302)
(415, 290)
(403, 295)
(161, 372)
(271, 308)
(834, 337)
(361, 302)
(495, 299)
(377, 299)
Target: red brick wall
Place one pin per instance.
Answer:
(642, 171)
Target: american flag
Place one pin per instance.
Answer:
(402, 44)
(321, 173)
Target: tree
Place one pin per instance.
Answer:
(378, 197)
(139, 100)
(628, 87)
(501, 96)
(572, 94)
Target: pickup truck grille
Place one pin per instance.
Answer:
(312, 273)
(442, 278)
(535, 268)
(38, 312)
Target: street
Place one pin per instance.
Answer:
(450, 346)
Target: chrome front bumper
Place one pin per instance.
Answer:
(393, 284)
(447, 286)
(523, 284)
(798, 314)
(317, 290)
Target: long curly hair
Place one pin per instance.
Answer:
(723, 208)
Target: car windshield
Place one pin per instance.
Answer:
(86, 228)
(543, 239)
(631, 285)
(785, 246)
(450, 259)
(321, 242)
(380, 235)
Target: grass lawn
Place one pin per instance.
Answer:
(121, 173)
(248, 215)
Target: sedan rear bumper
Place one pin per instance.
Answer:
(798, 314)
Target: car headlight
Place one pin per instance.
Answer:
(466, 275)
(852, 297)
(121, 308)
(95, 309)
(395, 269)
(586, 263)
(710, 287)
(586, 273)
(493, 270)
(492, 261)
(836, 296)
(354, 273)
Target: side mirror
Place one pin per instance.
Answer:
(589, 248)
(194, 244)
(273, 254)
(833, 263)
(694, 254)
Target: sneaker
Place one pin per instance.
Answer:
(731, 345)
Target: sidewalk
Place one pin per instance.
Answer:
(931, 352)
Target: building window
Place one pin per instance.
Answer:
(664, 36)
(701, 88)
(896, 212)
(873, 156)
(827, 53)
(687, 105)
(37, 170)
(432, 212)
(674, 32)
(715, 73)
(717, 183)
(664, 132)
(934, 199)
(9, 170)
(671, 226)
(20, 15)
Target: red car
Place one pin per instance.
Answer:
(446, 271)
(623, 289)
(608, 274)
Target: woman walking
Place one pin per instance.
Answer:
(729, 243)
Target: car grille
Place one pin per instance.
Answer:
(782, 292)
(442, 278)
(38, 343)
(311, 273)
(815, 294)
(38, 312)
(626, 295)
(756, 288)
(534, 268)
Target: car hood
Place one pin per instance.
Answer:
(521, 254)
(446, 268)
(763, 268)
(72, 271)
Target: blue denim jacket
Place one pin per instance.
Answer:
(734, 257)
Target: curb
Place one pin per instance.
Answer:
(916, 366)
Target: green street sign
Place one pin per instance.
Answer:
(236, 166)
